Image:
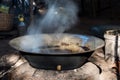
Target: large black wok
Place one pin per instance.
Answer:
(55, 59)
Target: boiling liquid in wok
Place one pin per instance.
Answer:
(66, 43)
(57, 50)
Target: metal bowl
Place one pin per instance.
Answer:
(56, 60)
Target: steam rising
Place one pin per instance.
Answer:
(60, 16)
(31, 43)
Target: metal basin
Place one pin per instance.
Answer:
(56, 60)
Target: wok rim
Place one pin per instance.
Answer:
(35, 53)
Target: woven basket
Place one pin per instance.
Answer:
(6, 22)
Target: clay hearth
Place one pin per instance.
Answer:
(96, 69)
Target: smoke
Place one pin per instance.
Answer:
(60, 16)
(31, 43)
